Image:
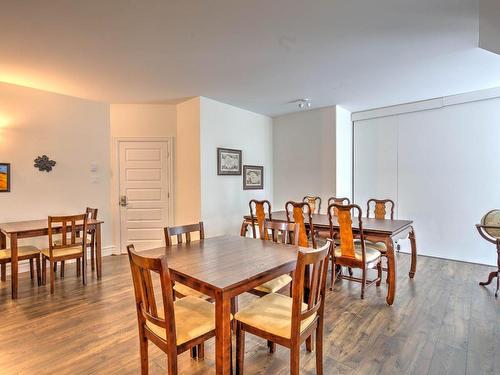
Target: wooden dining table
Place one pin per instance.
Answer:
(223, 268)
(39, 228)
(375, 230)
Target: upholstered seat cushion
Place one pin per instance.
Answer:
(275, 284)
(193, 318)
(371, 253)
(187, 291)
(380, 246)
(22, 251)
(273, 314)
(74, 250)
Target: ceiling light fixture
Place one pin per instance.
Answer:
(302, 103)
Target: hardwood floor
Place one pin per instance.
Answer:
(442, 322)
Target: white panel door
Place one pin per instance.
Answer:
(144, 193)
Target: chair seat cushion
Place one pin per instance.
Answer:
(22, 251)
(371, 253)
(193, 318)
(273, 314)
(67, 251)
(275, 284)
(185, 291)
(380, 246)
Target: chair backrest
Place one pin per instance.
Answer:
(380, 208)
(332, 200)
(317, 260)
(345, 214)
(295, 212)
(183, 229)
(258, 214)
(145, 299)
(63, 225)
(314, 203)
(91, 213)
(279, 231)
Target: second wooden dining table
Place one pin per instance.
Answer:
(223, 268)
(39, 228)
(375, 230)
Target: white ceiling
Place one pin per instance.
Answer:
(256, 54)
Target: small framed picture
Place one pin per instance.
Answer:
(4, 177)
(253, 177)
(228, 162)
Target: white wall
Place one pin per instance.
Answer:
(71, 131)
(489, 25)
(441, 167)
(188, 163)
(343, 155)
(304, 156)
(223, 200)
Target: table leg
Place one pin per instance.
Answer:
(222, 334)
(84, 263)
(98, 255)
(391, 272)
(243, 230)
(14, 264)
(3, 245)
(413, 242)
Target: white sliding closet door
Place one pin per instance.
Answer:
(442, 167)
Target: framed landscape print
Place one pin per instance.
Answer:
(228, 162)
(4, 177)
(253, 177)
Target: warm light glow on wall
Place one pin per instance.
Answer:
(35, 80)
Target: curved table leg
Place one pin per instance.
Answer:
(413, 242)
(391, 273)
(491, 276)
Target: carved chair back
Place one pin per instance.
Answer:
(380, 208)
(258, 212)
(185, 230)
(314, 203)
(295, 212)
(332, 200)
(345, 214)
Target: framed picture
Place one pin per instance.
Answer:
(4, 177)
(253, 177)
(228, 162)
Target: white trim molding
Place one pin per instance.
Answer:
(425, 105)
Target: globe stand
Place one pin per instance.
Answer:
(487, 232)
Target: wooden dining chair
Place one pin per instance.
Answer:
(30, 253)
(288, 321)
(70, 247)
(314, 203)
(380, 207)
(91, 214)
(295, 212)
(182, 290)
(178, 326)
(286, 233)
(344, 200)
(258, 212)
(351, 253)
